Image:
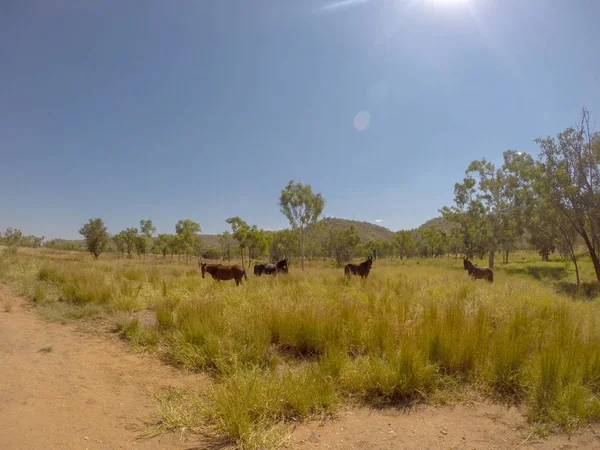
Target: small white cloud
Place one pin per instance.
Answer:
(342, 4)
(378, 220)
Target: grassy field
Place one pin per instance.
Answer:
(285, 348)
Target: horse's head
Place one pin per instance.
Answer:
(203, 268)
(466, 263)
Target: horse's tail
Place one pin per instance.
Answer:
(490, 276)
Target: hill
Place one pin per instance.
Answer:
(438, 222)
(367, 230)
(210, 240)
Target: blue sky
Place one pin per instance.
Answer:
(205, 109)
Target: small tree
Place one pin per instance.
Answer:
(211, 253)
(175, 245)
(187, 230)
(257, 242)
(12, 238)
(284, 244)
(404, 243)
(96, 236)
(343, 242)
(130, 235)
(119, 240)
(147, 228)
(301, 207)
(240, 231)
(161, 244)
(142, 242)
(225, 242)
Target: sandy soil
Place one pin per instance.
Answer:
(61, 388)
(468, 426)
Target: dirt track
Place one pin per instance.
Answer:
(65, 389)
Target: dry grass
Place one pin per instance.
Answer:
(285, 348)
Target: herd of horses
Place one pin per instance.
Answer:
(222, 272)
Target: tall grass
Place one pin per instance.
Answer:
(288, 347)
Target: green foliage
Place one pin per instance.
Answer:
(147, 228)
(226, 243)
(162, 244)
(12, 237)
(142, 242)
(435, 240)
(212, 253)
(120, 242)
(284, 243)
(64, 244)
(404, 243)
(130, 235)
(342, 243)
(96, 236)
(32, 241)
(301, 207)
(255, 240)
(568, 186)
(188, 240)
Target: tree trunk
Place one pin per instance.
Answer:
(576, 269)
(242, 253)
(302, 246)
(491, 259)
(593, 254)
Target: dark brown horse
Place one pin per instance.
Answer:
(267, 269)
(222, 272)
(282, 266)
(361, 269)
(476, 272)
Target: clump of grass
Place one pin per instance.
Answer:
(250, 405)
(403, 377)
(51, 274)
(177, 410)
(39, 294)
(86, 287)
(133, 274)
(165, 316)
(137, 334)
(77, 285)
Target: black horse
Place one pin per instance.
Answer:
(282, 266)
(267, 269)
(361, 269)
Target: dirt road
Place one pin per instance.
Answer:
(65, 389)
